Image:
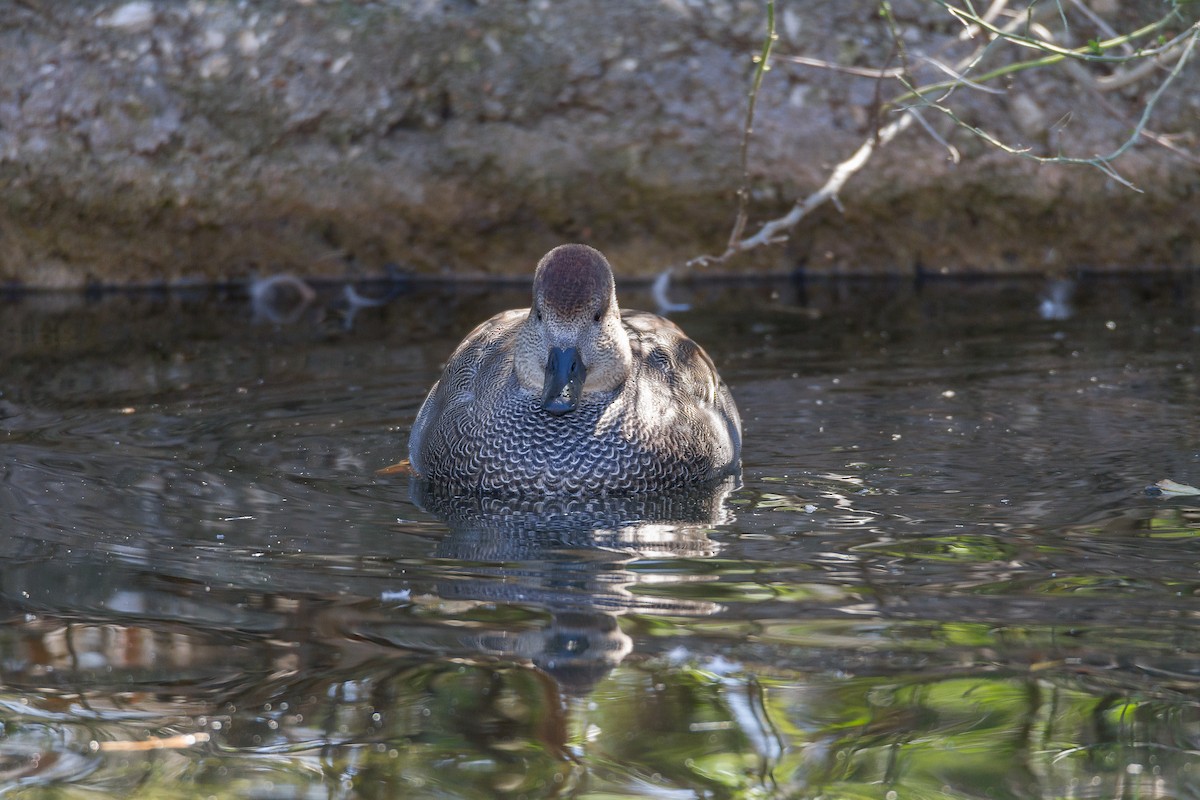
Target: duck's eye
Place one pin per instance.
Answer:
(538, 313)
(596, 318)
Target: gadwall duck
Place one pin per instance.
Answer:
(573, 396)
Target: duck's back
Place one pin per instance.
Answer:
(672, 423)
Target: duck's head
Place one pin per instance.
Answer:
(573, 340)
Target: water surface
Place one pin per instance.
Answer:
(941, 574)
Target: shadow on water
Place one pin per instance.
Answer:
(940, 577)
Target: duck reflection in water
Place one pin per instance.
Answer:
(571, 557)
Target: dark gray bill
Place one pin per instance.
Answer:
(564, 381)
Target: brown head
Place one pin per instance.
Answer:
(572, 341)
(573, 279)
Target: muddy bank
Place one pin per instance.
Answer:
(144, 142)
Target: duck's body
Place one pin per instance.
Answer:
(574, 397)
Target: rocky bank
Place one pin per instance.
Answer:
(214, 140)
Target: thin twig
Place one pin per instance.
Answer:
(1093, 52)
(764, 64)
(1102, 162)
(892, 72)
(955, 156)
(1099, 90)
(960, 79)
(862, 72)
(1120, 78)
(1158, 93)
(1021, 66)
(1100, 24)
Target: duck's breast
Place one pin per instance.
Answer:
(672, 423)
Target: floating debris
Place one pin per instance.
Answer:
(1169, 488)
(157, 743)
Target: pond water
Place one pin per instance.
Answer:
(941, 575)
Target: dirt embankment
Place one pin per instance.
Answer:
(211, 140)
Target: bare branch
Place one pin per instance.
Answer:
(1102, 162)
(960, 79)
(1099, 22)
(1148, 60)
(771, 232)
(1094, 52)
(955, 156)
(764, 63)
(862, 72)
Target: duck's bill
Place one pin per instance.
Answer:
(564, 381)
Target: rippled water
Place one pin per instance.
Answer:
(941, 575)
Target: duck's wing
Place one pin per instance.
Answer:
(477, 358)
(664, 351)
(661, 349)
